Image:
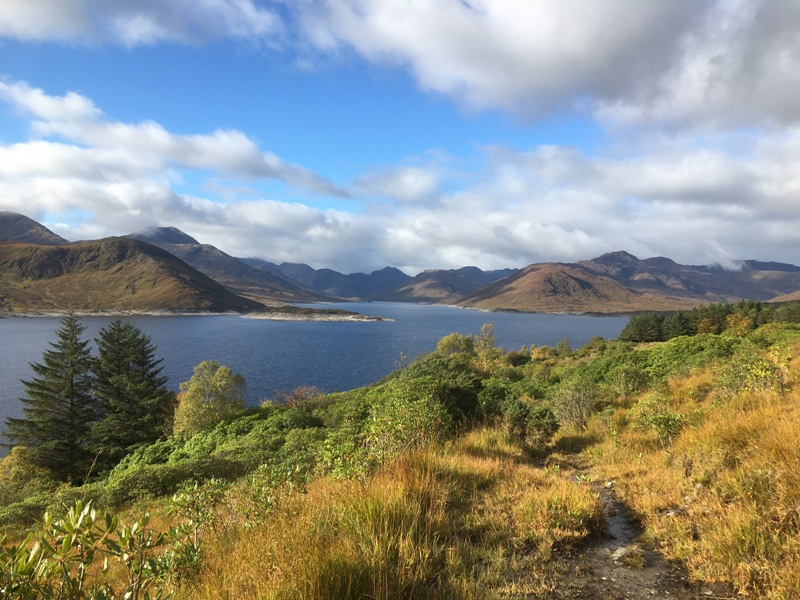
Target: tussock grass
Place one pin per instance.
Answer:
(474, 521)
(724, 497)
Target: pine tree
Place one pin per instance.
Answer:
(59, 407)
(136, 406)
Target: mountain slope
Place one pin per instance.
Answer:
(364, 286)
(564, 288)
(15, 227)
(753, 280)
(443, 285)
(231, 272)
(620, 282)
(107, 274)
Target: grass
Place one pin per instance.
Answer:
(476, 521)
(724, 497)
(711, 476)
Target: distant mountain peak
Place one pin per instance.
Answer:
(618, 257)
(15, 227)
(164, 235)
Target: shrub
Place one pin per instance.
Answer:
(532, 427)
(751, 370)
(575, 400)
(654, 414)
(493, 397)
(212, 394)
(541, 427)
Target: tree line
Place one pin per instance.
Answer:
(84, 413)
(735, 319)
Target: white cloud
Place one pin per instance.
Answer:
(696, 199)
(738, 64)
(406, 183)
(676, 62)
(75, 118)
(136, 22)
(713, 63)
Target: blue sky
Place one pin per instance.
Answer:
(356, 134)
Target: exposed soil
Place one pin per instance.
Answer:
(615, 566)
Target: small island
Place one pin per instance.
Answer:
(299, 313)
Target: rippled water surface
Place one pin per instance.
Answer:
(281, 355)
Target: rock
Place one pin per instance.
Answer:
(621, 552)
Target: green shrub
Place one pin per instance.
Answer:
(753, 370)
(654, 414)
(575, 400)
(531, 426)
(26, 512)
(542, 425)
(492, 397)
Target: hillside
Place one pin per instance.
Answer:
(244, 279)
(562, 288)
(658, 470)
(443, 285)
(108, 274)
(353, 286)
(620, 282)
(15, 227)
(753, 280)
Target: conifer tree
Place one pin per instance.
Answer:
(59, 407)
(136, 407)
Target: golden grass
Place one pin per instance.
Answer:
(475, 521)
(725, 496)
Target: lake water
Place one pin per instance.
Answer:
(282, 355)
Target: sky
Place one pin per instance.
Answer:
(419, 134)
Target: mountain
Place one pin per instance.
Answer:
(563, 288)
(15, 227)
(361, 286)
(244, 279)
(107, 274)
(443, 285)
(164, 235)
(621, 282)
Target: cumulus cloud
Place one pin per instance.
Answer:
(106, 146)
(697, 199)
(404, 184)
(713, 63)
(136, 22)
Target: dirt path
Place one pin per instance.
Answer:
(615, 566)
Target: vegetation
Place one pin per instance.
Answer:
(469, 473)
(732, 319)
(83, 414)
(59, 407)
(212, 394)
(135, 405)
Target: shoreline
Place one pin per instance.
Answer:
(273, 314)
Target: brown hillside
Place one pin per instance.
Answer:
(561, 288)
(108, 274)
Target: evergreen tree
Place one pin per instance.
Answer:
(644, 327)
(677, 325)
(59, 407)
(135, 405)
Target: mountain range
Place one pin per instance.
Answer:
(163, 268)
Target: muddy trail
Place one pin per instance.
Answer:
(616, 566)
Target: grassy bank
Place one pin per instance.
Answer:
(471, 473)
